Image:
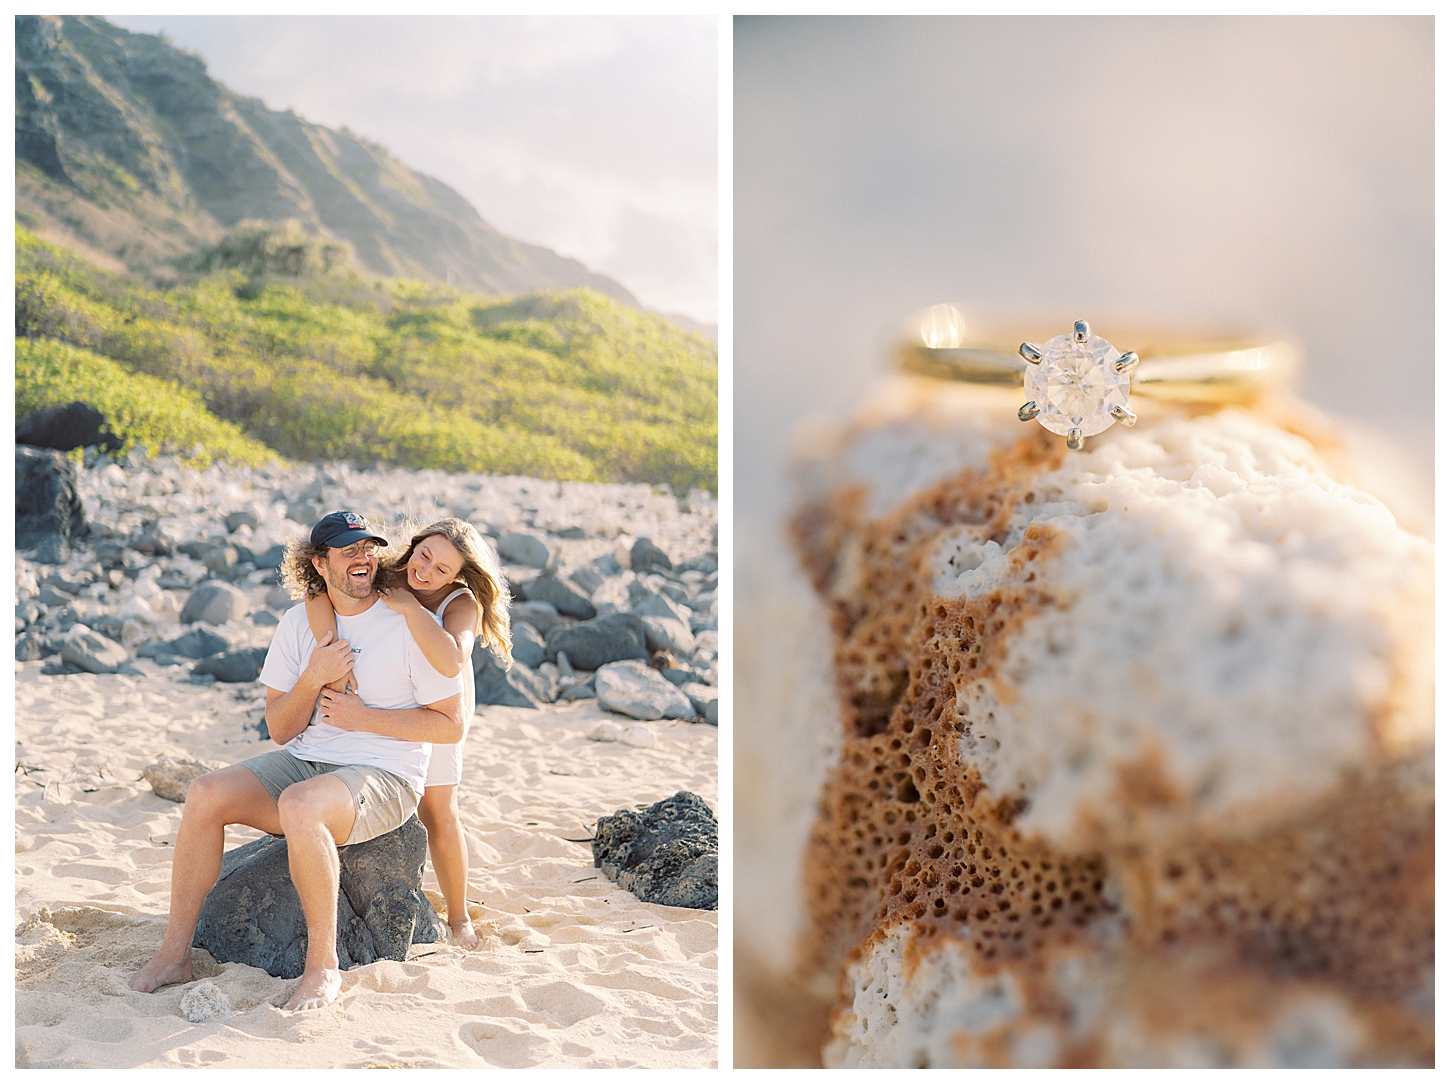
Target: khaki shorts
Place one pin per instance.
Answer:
(381, 801)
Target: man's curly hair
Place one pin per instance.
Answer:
(301, 579)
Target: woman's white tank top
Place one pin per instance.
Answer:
(467, 673)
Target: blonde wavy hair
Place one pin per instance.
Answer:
(481, 573)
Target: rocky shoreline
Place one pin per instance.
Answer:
(146, 566)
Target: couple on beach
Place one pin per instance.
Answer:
(370, 691)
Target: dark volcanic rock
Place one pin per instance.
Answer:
(74, 425)
(253, 915)
(668, 854)
(517, 687)
(244, 665)
(48, 512)
(591, 644)
(564, 597)
(644, 555)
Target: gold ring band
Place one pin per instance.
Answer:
(944, 343)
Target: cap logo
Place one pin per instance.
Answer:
(352, 519)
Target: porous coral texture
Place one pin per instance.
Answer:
(1162, 708)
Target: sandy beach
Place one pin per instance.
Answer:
(571, 972)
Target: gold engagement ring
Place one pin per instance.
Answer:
(1077, 384)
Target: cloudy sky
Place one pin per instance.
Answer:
(593, 136)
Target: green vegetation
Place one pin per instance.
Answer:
(319, 364)
(144, 411)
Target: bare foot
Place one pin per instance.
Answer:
(158, 973)
(317, 990)
(463, 933)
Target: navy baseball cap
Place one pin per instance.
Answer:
(339, 529)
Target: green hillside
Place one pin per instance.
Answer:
(320, 364)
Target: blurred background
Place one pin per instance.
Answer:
(1204, 169)
(1274, 171)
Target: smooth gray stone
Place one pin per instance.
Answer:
(667, 634)
(26, 613)
(270, 558)
(253, 916)
(706, 701)
(237, 666)
(542, 616)
(632, 688)
(303, 511)
(607, 565)
(645, 555)
(49, 516)
(197, 644)
(170, 777)
(151, 542)
(655, 605)
(197, 548)
(667, 854)
(71, 583)
(216, 603)
(570, 532)
(702, 603)
(237, 519)
(94, 653)
(265, 618)
(592, 644)
(222, 560)
(516, 687)
(520, 548)
(50, 595)
(528, 645)
(563, 596)
(704, 563)
(588, 580)
(109, 625)
(34, 645)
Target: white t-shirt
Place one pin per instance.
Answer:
(390, 671)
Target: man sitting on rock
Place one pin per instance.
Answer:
(351, 770)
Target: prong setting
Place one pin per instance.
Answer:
(1127, 363)
(1075, 383)
(1124, 415)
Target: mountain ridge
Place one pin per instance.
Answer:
(125, 144)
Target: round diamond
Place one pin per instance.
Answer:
(1075, 385)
